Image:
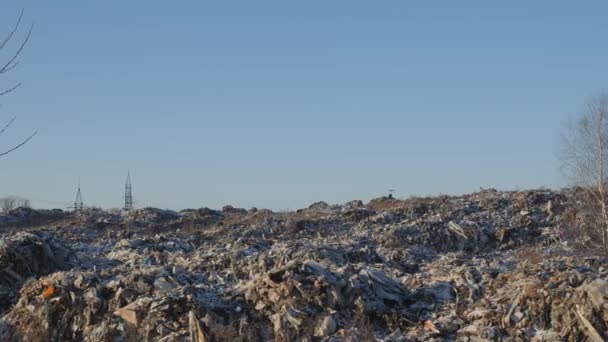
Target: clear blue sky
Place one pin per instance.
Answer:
(282, 103)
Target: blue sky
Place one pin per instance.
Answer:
(280, 103)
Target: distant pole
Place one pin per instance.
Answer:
(128, 193)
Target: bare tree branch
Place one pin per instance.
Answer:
(8, 125)
(585, 158)
(12, 62)
(9, 65)
(10, 89)
(19, 145)
(12, 33)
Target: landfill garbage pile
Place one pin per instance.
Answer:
(489, 266)
(305, 299)
(26, 255)
(152, 304)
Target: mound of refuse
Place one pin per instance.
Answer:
(305, 299)
(26, 255)
(489, 266)
(152, 304)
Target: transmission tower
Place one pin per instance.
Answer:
(78, 203)
(128, 193)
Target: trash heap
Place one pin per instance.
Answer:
(305, 299)
(153, 305)
(552, 301)
(489, 266)
(26, 255)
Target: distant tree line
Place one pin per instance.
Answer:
(12, 202)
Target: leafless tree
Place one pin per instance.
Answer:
(11, 202)
(7, 204)
(9, 65)
(585, 160)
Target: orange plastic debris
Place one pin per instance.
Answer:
(48, 292)
(430, 326)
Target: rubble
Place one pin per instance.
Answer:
(489, 266)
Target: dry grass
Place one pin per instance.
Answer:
(361, 329)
